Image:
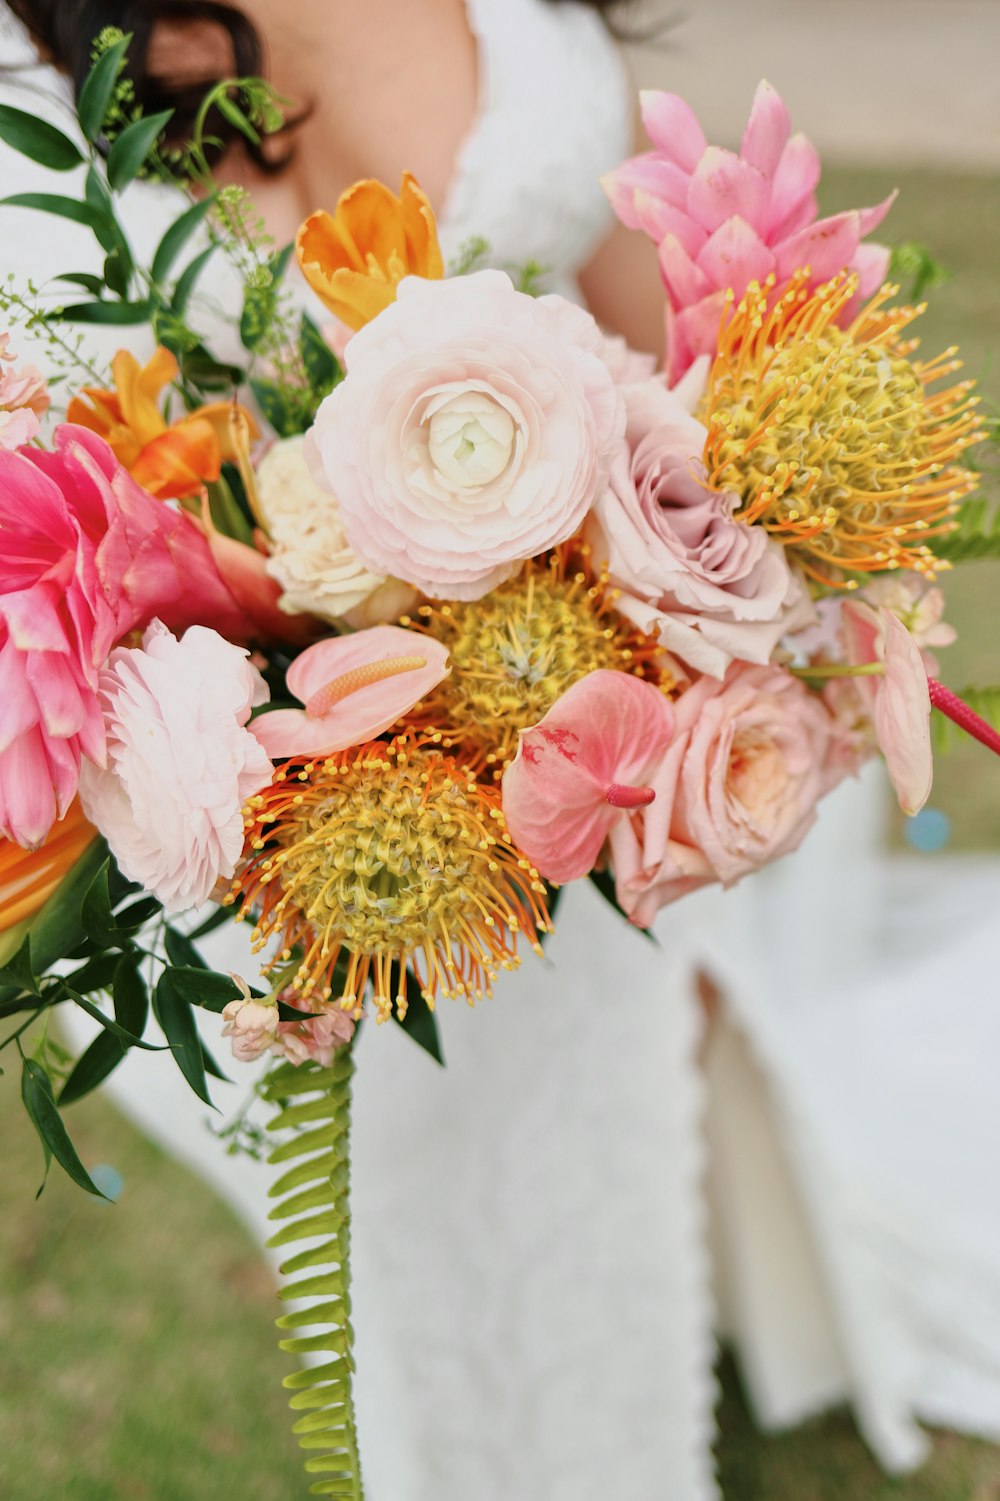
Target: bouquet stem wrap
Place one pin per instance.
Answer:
(314, 1203)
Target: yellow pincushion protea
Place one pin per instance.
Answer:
(515, 651)
(831, 436)
(391, 854)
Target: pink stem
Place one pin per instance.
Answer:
(959, 713)
(629, 797)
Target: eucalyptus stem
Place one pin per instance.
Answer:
(314, 1201)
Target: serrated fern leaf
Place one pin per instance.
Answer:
(976, 536)
(982, 701)
(313, 1206)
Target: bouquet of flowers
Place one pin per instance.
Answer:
(375, 639)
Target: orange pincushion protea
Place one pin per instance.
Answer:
(389, 854)
(830, 435)
(355, 258)
(29, 877)
(170, 460)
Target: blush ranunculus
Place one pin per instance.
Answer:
(180, 762)
(738, 787)
(475, 428)
(898, 702)
(353, 687)
(723, 220)
(713, 588)
(582, 767)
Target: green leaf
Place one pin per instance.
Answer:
(177, 236)
(18, 971)
(185, 283)
(39, 1102)
(98, 88)
(175, 1016)
(132, 148)
(420, 1023)
(204, 987)
(231, 111)
(92, 284)
(284, 415)
(130, 995)
(181, 951)
(122, 1033)
(98, 918)
(38, 140)
(257, 316)
(113, 314)
(227, 516)
(97, 974)
(116, 273)
(137, 914)
(212, 1067)
(58, 928)
(977, 535)
(321, 363)
(93, 1066)
(201, 369)
(66, 208)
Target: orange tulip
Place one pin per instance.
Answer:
(170, 460)
(29, 877)
(355, 258)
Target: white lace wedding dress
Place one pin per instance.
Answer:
(534, 1249)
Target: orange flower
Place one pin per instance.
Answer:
(355, 258)
(170, 460)
(29, 877)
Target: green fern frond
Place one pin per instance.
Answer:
(977, 535)
(982, 701)
(314, 1206)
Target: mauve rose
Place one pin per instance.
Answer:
(475, 428)
(751, 757)
(715, 589)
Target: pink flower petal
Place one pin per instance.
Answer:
(648, 174)
(902, 716)
(673, 126)
(693, 332)
(364, 712)
(657, 218)
(735, 256)
(795, 180)
(603, 736)
(871, 262)
(767, 131)
(685, 280)
(724, 186)
(871, 218)
(826, 247)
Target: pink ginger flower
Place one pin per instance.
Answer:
(85, 557)
(723, 220)
(582, 768)
(353, 688)
(24, 399)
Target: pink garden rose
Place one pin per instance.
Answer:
(713, 588)
(581, 769)
(898, 702)
(24, 399)
(86, 557)
(475, 428)
(738, 787)
(180, 763)
(723, 220)
(251, 1025)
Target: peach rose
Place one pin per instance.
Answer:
(751, 757)
(475, 428)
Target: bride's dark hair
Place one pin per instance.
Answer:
(64, 30)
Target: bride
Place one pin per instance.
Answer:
(534, 1286)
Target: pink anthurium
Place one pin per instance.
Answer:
(898, 700)
(584, 766)
(353, 688)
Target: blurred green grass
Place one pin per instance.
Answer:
(957, 217)
(139, 1356)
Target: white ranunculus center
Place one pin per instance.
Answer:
(470, 440)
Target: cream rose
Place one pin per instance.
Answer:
(475, 428)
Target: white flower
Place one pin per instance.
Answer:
(180, 764)
(311, 557)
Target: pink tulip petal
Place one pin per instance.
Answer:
(767, 131)
(673, 126)
(825, 247)
(364, 713)
(724, 187)
(685, 281)
(606, 732)
(795, 181)
(735, 256)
